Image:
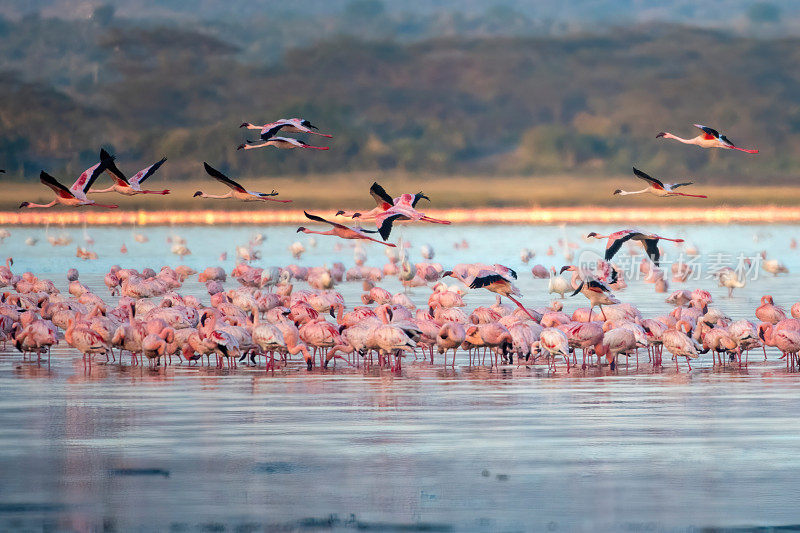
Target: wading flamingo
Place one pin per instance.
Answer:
(597, 293)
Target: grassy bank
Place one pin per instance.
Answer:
(350, 191)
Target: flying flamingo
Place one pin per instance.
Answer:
(341, 231)
(294, 125)
(384, 202)
(615, 240)
(132, 185)
(403, 209)
(284, 143)
(657, 188)
(710, 138)
(75, 195)
(237, 191)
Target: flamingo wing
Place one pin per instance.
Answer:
(381, 197)
(417, 197)
(597, 286)
(485, 280)
(115, 173)
(306, 124)
(724, 139)
(51, 182)
(651, 247)
(711, 133)
(145, 173)
(268, 133)
(219, 176)
(316, 218)
(88, 177)
(386, 226)
(580, 287)
(649, 179)
(676, 185)
(615, 243)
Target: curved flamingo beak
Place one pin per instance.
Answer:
(565, 267)
(198, 193)
(23, 204)
(661, 134)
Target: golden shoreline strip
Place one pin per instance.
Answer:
(551, 215)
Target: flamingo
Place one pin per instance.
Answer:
(769, 312)
(237, 191)
(597, 293)
(284, 143)
(657, 188)
(615, 240)
(554, 342)
(340, 230)
(679, 344)
(129, 186)
(294, 125)
(557, 284)
(710, 138)
(384, 202)
(451, 335)
(390, 210)
(75, 195)
(497, 283)
(727, 277)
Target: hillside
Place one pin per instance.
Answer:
(586, 104)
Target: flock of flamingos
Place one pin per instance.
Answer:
(266, 318)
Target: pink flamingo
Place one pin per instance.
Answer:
(710, 138)
(237, 191)
(616, 239)
(75, 195)
(341, 231)
(124, 185)
(284, 143)
(294, 125)
(657, 188)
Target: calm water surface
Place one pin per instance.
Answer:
(189, 449)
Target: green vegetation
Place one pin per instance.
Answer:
(580, 104)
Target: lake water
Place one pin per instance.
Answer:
(201, 449)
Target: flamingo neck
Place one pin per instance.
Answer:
(624, 193)
(51, 204)
(681, 139)
(216, 196)
(329, 232)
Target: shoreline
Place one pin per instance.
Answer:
(484, 215)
